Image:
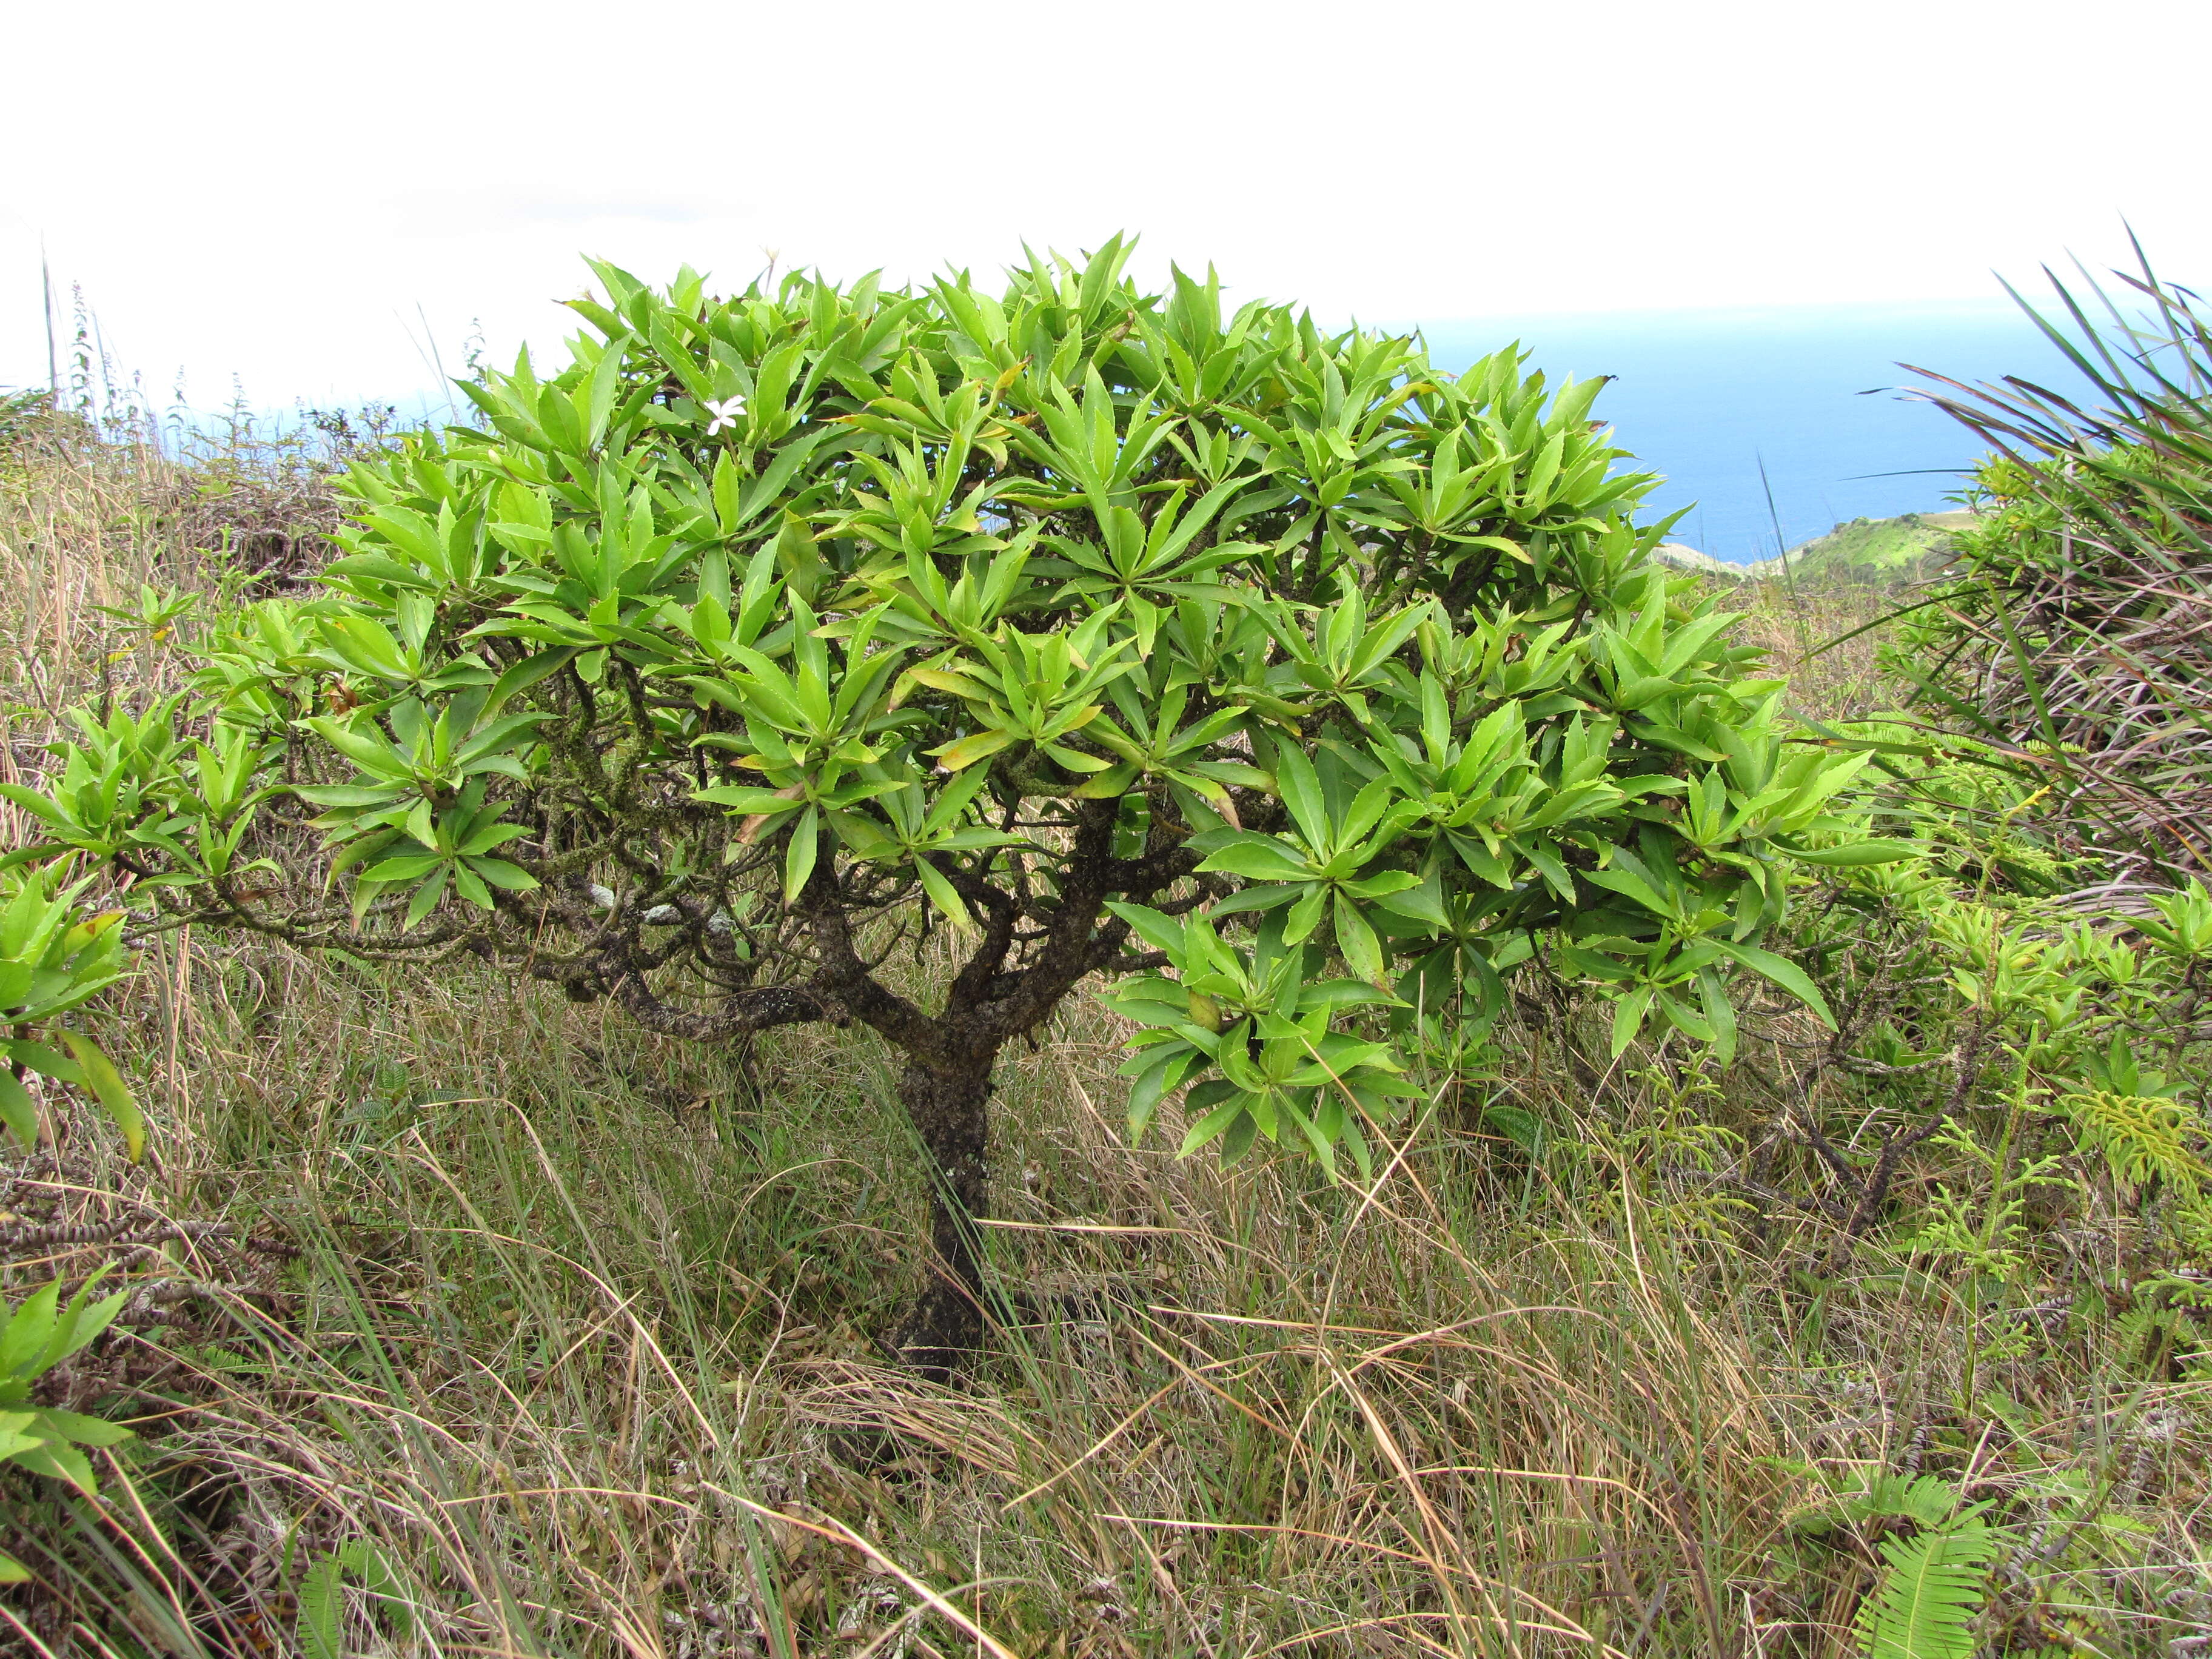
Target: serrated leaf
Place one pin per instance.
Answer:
(81, 1429)
(58, 1461)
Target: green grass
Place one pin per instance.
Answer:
(1873, 550)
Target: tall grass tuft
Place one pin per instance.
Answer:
(2077, 629)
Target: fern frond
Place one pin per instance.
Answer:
(2142, 1137)
(322, 1611)
(1930, 1596)
(1929, 1499)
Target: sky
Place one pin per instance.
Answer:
(1771, 425)
(321, 203)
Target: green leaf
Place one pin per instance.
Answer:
(1305, 915)
(1300, 790)
(1382, 885)
(1629, 885)
(1215, 1123)
(1854, 853)
(526, 673)
(1628, 1018)
(1418, 901)
(77, 1427)
(351, 794)
(408, 866)
(471, 888)
(800, 856)
(1257, 858)
(1927, 1602)
(499, 873)
(427, 896)
(1363, 952)
(322, 1605)
(1782, 971)
(18, 1111)
(30, 1331)
(45, 1060)
(79, 1325)
(1174, 1063)
(1518, 1125)
(1075, 760)
(370, 1564)
(106, 1084)
(1264, 896)
(748, 798)
(941, 894)
(58, 1461)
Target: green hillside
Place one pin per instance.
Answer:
(1870, 549)
(1873, 550)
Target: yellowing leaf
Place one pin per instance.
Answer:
(979, 745)
(107, 1085)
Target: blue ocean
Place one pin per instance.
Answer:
(1814, 393)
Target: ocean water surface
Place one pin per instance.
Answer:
(1814, 392)
(1704, 398)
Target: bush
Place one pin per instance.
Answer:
(29, 414)
(2073, 628)
(772, 638)
(54, 958)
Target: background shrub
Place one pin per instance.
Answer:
(2074, 630)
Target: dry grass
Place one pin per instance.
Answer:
(554, 1337)
(1811, 634)
(577, 1328)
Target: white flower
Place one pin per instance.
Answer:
(726, 413)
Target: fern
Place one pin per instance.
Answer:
(1930, 1596)
(1928, 1499)
(322, 1611)
(321, 1627)
(2142, 1137)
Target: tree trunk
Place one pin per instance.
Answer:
(948, 1105)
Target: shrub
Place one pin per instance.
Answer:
(27, 415)
(37, 1336)
(1090, 631)
(53, 959)
(2073, 628)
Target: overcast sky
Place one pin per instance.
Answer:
(289, 193)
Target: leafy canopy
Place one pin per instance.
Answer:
(37, 1336)
(54, 958)
(1317, 687)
